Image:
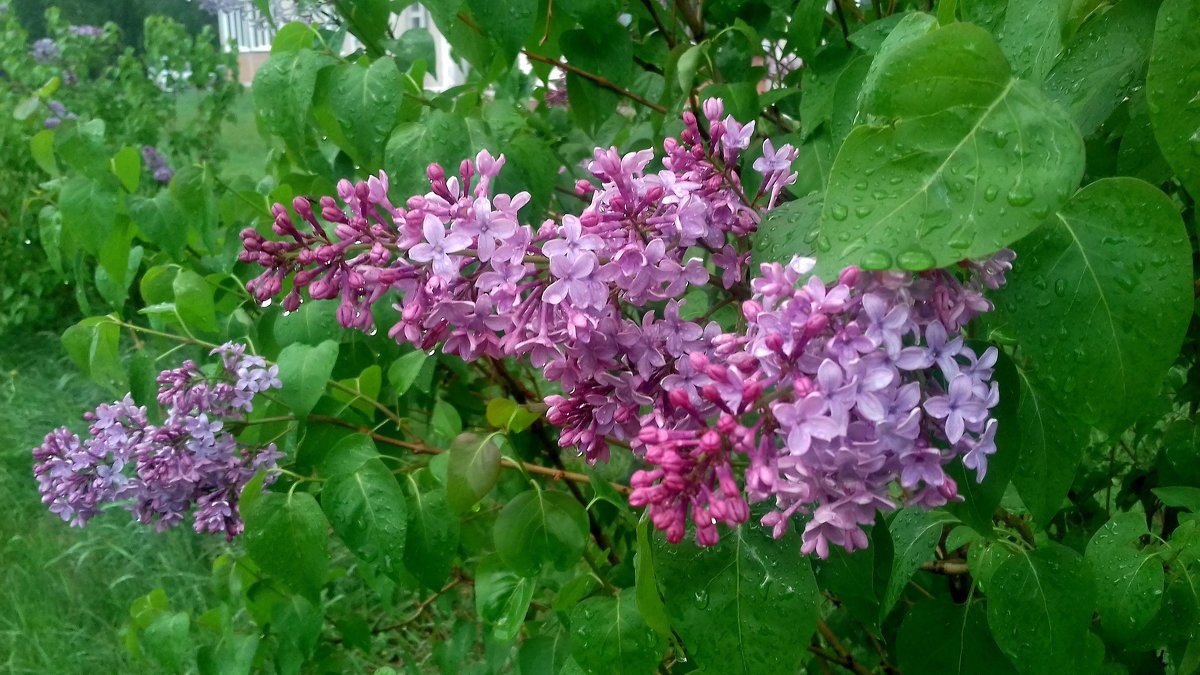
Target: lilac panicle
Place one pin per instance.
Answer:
(838, 398)
(162, 471)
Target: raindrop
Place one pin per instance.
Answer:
(701, 599)
(876, 260)
(989, 194)
(265, 303)
(1020, 195)
(838, 212)
(864, 210)
(1060, 287)
(915, 260)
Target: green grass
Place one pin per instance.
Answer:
(247, 151)
(66, 591)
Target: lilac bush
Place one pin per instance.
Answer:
(836, 400)
(160, 471)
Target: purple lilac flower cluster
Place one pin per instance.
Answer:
(44, 50)
(841, 400)
(161, 471)
(474, 278)
(833, 396)
(156, 163)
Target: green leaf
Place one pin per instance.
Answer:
(819, 82)
(346, 456)
(365, 102)
(304, 371)
(439, 137)
(312, 324)
(650, 602)
(1103, 64)
(1129, 578)
(368, 511)
(404, 370)
(89, 212)
(161, 222)
(1114, 259)
(127, 167)
(502, 597)
(283, 92)
(1031, 37)
(609, 636)
(293, 36)
(433, 530)
(507, 414)
(538, 527)
(963, 159)
(473, 470)
(1039, 608)
(508, 23)
(726, 601)
(166, 640)
(938, 636)
(788, 230)
(194, 301)
(915, 533)
(1172, 83)
(41, 148)
(1179, 497)
(94, 346)
(286, 537)
(1051, 447)
(544, 654)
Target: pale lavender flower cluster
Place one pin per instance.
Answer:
(162, 471)
(156, 163)
(44, 50)
(839, 400)
(832, 395)
(58, 114)
(473, 278)
(86, 30)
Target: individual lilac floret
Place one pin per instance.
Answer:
(161, 471)
(86, 30)
(58, 114)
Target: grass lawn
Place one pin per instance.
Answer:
(247, 150)
(66, 591)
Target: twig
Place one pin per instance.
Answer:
(947, 567)
(694, 21)
(667, 35)
(1018, 524)
(597, 80)
(843, 658)
(421, 607)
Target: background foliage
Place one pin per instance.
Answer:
(413, 530)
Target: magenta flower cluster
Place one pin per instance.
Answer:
(161, 471)
(830, 395)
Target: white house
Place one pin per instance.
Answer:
(240, 23)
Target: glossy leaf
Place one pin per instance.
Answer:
(312, 324)
(502, 597)
(304, 371)
(914, 532)
(1039, 608)
(608, 635)
(538, 527)
(94, 346)
(1114, 261)
(1103, 63)
(194, 301)
(439, 137)
(725, 601)
(368, 511)
(964, 160)
(365, 101)
(473, 470)
(1129, 577)
(939, 636)
(1051, 447)
(433, 530)
(1031, 37)
(404, 371)
(508, 23)
(650, 602)
(286, 535)
(127, 167)
(1172, 83)
(283, 92)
